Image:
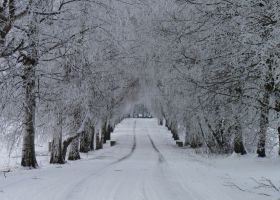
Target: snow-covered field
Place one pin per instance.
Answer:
(145, 165)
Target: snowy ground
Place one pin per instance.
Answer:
(146, 165)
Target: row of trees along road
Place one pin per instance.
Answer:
(223, 85)
(70, 69)
(63, 74)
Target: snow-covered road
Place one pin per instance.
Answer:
(144, 165)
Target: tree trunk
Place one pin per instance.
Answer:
(269, 85)
(160, 121)
(65, 145)
(56, 148)
(74, 150)
(187, 139)
(104, 132)
(92, 138)
(279, 140)
(85, 140)
(204, 135)
(195, 142)
(99, 142)
(174, 130)
(238, 145)
(29, 60)
(167, 124)
(263, 125)
(28, 149)
(187, 133)
(74, 146)
(109, 130)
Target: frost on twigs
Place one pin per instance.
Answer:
(262, 186)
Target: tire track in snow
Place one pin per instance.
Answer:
(132, 149)
(126, 156)
(76, 188)
(161, 158)
(177, 190)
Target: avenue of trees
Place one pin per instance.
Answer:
(70, 69)
(223, 80)
(63, 74)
